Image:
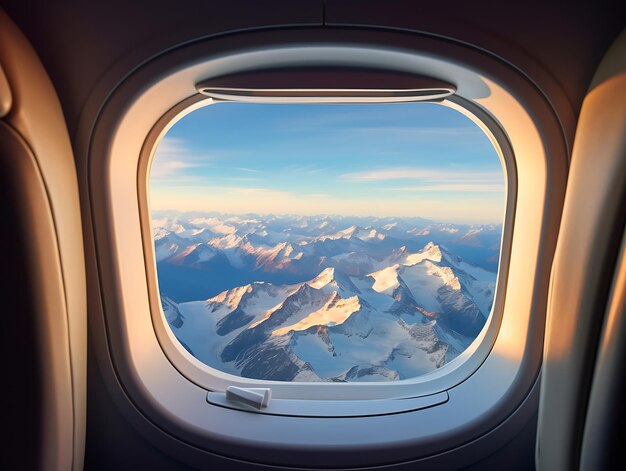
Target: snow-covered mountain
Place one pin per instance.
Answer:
(201, 255)
(374, 310)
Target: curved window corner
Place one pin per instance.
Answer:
(289, 264)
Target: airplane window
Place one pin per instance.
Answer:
(326, 242)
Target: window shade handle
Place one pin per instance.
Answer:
(325, 85)
(253, 397)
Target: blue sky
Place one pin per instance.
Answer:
(411, 159)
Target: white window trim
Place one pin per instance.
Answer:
(442, 379)
(143, 377)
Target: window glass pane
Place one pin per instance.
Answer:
(326, 242)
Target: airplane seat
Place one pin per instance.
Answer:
(43, 298)
(581, 410)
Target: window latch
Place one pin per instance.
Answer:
(253, 397)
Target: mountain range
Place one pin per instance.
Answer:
(324, 298)
(200, 255)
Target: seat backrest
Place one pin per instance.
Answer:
(43, 295)
(582, 368)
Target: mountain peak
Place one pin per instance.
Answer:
(430, 252)
(385, 278)
(230, 297)
(326, 276)
(433, 250)
(335, 311)
(446, 274)
(354, 232)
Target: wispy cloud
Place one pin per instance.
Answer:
(257, 192)
(423, 174)
(249, 170)
(472, 207)
(307, 169)
(171, 159)
(162, 169)
(455, 187)
(418, 131)
(240, 179)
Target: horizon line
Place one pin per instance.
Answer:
(500, 223)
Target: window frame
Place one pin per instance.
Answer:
(434, 382)
(482, 414)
